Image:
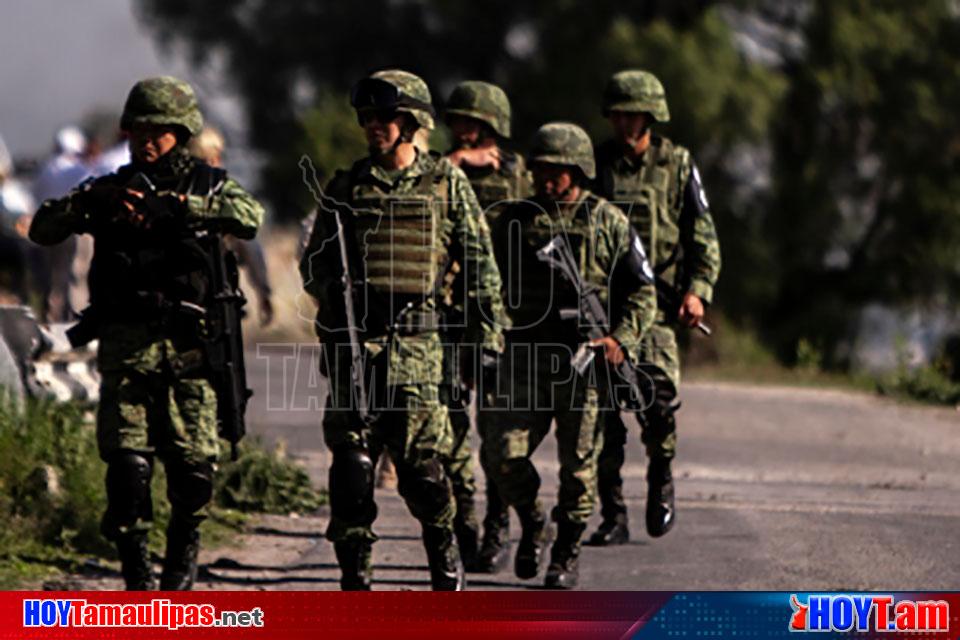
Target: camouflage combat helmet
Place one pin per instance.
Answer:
(395, 89)
(564, 143)
(162, 100)
(636, 92)
(483, 101)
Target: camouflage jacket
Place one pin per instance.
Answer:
(139, 340)
(600, 237)
(496, 188)
(664, 197)
(462, 235)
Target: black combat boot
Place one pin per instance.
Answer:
(180, 560)
(526, 564)
(443, 556)
(467, 530)
(356, 572)
(610, 533)
(661, 514)
(563, 571)
(613, 530)
(495, 549)
(135, 562)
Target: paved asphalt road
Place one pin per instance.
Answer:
(778, 488)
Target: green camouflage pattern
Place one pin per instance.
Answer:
(415, 427)
(411, 85)
(512, 435)
(484, 101)
(651, 191)
(149, 412)
(538, 393)
(403, 236)
(497, 189)
(564, 143)
(601, 235)
(636, 91)
(140, 396)
(414, 359)
(162, 100)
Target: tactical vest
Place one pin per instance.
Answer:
(134, 277)
(498, 187)
(540, 291)
(403, 237)
(651, 197)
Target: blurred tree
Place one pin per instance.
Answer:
(293, 63)
(866, 171)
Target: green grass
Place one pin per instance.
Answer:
(735, 354)
(52, 493)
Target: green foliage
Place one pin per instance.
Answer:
(867, 159)
(860, 126)
(52, 492)
(265, 481)
(936, 383)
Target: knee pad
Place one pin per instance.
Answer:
(658, 422)
(351, 483)
(189, 487)
(128, 492)
(425, 487)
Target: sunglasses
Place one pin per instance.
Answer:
(383, 116)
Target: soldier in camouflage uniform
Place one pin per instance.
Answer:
(657, 183)
(536, 372)
(155, 398)
(478, 114)
(408, 214)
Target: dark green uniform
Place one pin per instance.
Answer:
(541, 386)
(664, 197)
(155, 400)
(495, 188)
(407, 226)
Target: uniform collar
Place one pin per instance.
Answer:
(421, 165)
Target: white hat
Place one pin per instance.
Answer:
(70, 140)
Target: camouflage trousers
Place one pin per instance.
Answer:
(152, 412)
(414, 428)
(659, 437)
(540, 391)
(460, 460)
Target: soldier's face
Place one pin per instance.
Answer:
(629, 128)
(149, 142)
(553, 181)
(467, 132)
(382, 128)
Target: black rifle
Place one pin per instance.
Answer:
(222, 311)
(223, 339)
(350, 300)
(643, 383)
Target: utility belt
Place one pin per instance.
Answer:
(170, 317)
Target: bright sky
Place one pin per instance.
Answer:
(58, 60)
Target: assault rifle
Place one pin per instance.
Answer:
(641, 384)
(357, 369)
(223, 339)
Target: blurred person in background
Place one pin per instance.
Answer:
(208, 146)
(61, 172)
(16, 208)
